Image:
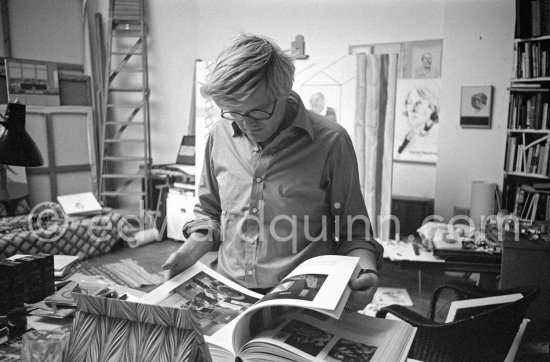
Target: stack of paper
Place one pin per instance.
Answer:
(62, 264)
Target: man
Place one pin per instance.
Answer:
(426, 70)
(317, 104)
(279, 183)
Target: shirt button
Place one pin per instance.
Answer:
(259, 179)
(250, 272)
(254, 210)
(256, 148)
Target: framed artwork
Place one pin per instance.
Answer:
(416, 120)
(422, 59)
(475, 106)
(33, 82)
(327, 87)
(418, 59)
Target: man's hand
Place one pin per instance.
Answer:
(177, 262)
(362, 291)
(198, 244)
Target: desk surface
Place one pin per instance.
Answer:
(403, 253)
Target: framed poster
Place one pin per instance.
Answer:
(416, 120)
(417, 59)
(32, 82)
(423, 59)
(475, 106)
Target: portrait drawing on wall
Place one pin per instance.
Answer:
(416, 120)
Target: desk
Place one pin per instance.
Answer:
(403, 253)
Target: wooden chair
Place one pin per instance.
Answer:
(485, 336)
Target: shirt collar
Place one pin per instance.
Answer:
(301, 119)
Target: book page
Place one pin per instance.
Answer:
(215, 300)
(305, 335)
(319, 283)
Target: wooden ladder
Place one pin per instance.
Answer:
(125, 167)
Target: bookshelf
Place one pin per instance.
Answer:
(526, 187)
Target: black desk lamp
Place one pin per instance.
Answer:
(16, 146)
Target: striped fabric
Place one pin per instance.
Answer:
(126, 272)
(112, 330)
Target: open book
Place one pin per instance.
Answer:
(300, 319)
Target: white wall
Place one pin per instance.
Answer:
(478, 50)
(477, 37)
(182, 31)
(49, 30)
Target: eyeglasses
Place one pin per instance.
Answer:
(255, 114)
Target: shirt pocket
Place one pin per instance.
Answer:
(233, 191)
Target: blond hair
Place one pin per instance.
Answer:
(248, 64)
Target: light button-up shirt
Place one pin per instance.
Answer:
(270, 209)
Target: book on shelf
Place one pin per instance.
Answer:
(511, 154)
(528, 111)
(523, 16)
(525, 85)
(541, 186)
(530, 204)
(522, 88)
(535, 18)
(300, 319)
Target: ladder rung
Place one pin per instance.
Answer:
(126, 89)
(123, 158)
(126, 53)
(124, 140)
(118, 123)
(127, 14)
(127, 106)
(127, 21)
(123, 70)
(127, 33)
(121, 193)
(122, 175)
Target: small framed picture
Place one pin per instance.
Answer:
(475, 106)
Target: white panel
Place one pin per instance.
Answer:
(73, 182)
(179, 210)
(70, 135)
(39, 188)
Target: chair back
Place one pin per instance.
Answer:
(486, 336)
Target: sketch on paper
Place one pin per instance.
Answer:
(416, 120)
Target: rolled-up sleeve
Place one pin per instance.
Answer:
(207, 210)
(352, 223)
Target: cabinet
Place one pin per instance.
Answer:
(179, 209)
(526, 262)
(526, 187)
